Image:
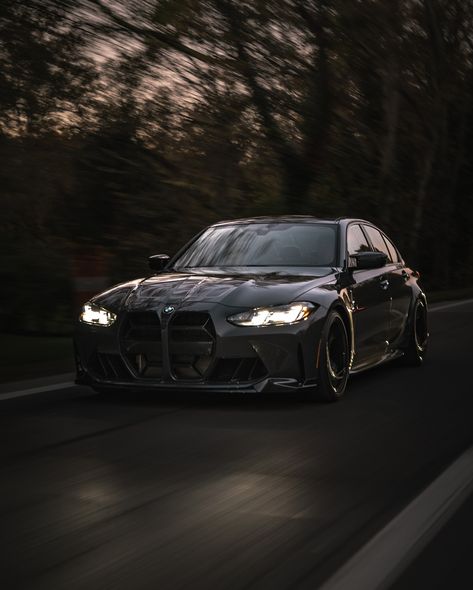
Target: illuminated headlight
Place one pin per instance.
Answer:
(273, 316)
(96, 315)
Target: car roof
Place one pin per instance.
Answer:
(287, 219)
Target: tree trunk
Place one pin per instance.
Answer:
(391, 104)
(419, 205)
(297, 180)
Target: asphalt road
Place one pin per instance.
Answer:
(232, 493)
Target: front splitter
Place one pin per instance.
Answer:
(268, 385)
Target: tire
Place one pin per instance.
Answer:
(417, 338)
(334, 359)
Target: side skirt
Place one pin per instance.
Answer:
(385, 359)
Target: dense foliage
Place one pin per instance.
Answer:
(130, 124)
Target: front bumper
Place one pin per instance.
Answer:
(147, 350)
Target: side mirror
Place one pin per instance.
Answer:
(365, 260)
(158, 261)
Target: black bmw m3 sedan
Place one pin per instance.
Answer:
(271, 304)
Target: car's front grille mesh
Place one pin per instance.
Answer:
(191, 348)
(142, 326)
(141, 344)
(191, 345)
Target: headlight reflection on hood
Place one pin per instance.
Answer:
(95, 315)
(273, 316)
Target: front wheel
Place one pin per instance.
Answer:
(416, 347)
(334, 359)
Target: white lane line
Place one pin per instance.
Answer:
(389, 552)
(34, 390)
(448, 305)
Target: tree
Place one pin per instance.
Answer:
(44, 76)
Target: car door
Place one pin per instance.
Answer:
(400, 291)
(370, 302)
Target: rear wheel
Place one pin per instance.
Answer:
(334, 359)
(416, 348)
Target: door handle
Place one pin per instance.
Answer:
(384, 284)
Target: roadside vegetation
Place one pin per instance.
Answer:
(126, 126)
(26, 356)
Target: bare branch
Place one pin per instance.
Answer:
(260, 98)
(166, 39)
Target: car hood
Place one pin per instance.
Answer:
(231, 289)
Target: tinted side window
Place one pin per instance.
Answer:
(392, 249)
(377, 240)
(356, 242)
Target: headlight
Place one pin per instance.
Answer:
(273, 316)
(96, 315)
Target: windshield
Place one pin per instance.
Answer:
(262, 244)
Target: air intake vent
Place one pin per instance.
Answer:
(238, 370)
(109, 366)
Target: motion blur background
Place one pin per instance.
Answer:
(128, 125)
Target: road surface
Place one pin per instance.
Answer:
(234, 492)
